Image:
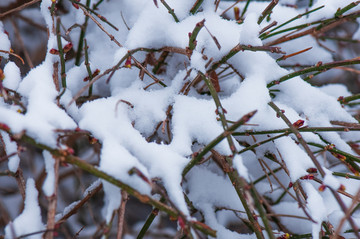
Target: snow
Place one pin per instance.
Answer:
(49, 184)
(250, 35)
(29, 220)
(297, 161)
(112, 200)
(330, 7)
(12, 75)
(214, 195)
(66, 210)
(330, 180)
(10, 148)
(4, 41)
(129, 119)
(202, 115)
(316, 207)
(239, 166)
(197, 62)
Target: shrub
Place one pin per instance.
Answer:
(217, 114)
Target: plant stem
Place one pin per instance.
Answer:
(346, 175)
(341, 11)
(193, 35)
(87, 7)
(313, 158)
(348, 99)
(171, 11)
(196, 159)
(348, 158)
(240, 47)
(325, 25)
(298, 136)
(264, 176)
(81, 38)
(262, 212)
(303, 129)
(237, 181)
(267, 10)
(262, 36)
(323, 67)
(245, 9)
(149, 220)
(87, 64)
(196, 6)
(71, 159)
(61, 53)
(263, 142)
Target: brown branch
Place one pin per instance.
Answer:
(347, 214)
(21, 42)
(52, 205)
(79, 204)
(121, 214)
(112, 38)
(13, 54)
(19, 8)
(316, 30)
(316, 163)
(21, 182)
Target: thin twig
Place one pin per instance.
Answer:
(323, 27)
(112, 38)
(78, 205)
(196, 6)
(121, 214)
(171, 11)
(71, 159)
(267, 10)
(262, 36)
(13, 54)
(237, 181)
(21, 42)
(149, 221)
(320, 67)
(316, 163)
(241, 47)
(217, 140)
(227, 9)
(61, 54)
(25, 5)
(52, 204)
(21, 183)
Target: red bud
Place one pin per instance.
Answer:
(298, 124)
(53, 51)
(68, 47)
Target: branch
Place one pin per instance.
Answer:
(316, 163)
(318, 67)
(64, 156)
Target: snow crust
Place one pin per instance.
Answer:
(29, 220)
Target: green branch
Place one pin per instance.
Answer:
(71, 159)
(171, 11)
(196, 6)
(303, 129)
(266, 34)
(239, 183)
(320, 67)
(196, 159)
(341, 11)
(193, 35)
(267, 10)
